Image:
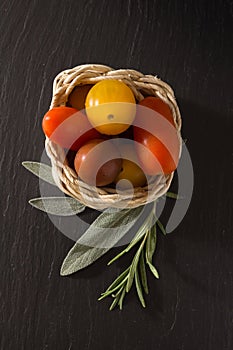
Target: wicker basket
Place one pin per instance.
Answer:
(66, 178)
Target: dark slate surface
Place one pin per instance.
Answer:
(189, 45)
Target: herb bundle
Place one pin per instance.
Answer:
(97, 240)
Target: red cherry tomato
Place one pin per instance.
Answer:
(159, 106)
(68, 127)
(98, 162)
(157, 139)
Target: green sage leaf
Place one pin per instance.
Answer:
(62, 206)
(41, 170)
(100, 237)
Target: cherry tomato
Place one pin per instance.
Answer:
(159, 106)
(110, 107)
(98, 162)
(68, 127)
(157, 139)
(78, 96)
(130, 169)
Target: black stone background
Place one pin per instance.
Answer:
(189, 45)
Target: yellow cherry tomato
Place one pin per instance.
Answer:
(130, 169)
(110, 107)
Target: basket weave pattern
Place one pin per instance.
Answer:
(66, 178)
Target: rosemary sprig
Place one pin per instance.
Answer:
(146, 237)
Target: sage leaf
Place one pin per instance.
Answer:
(100, 237)
(41, 170)
(62, 206)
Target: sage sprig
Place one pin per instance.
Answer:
(100, 237)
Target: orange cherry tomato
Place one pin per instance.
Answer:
(68, 127)
(98, 162)
(78, 96)
(110, 107)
